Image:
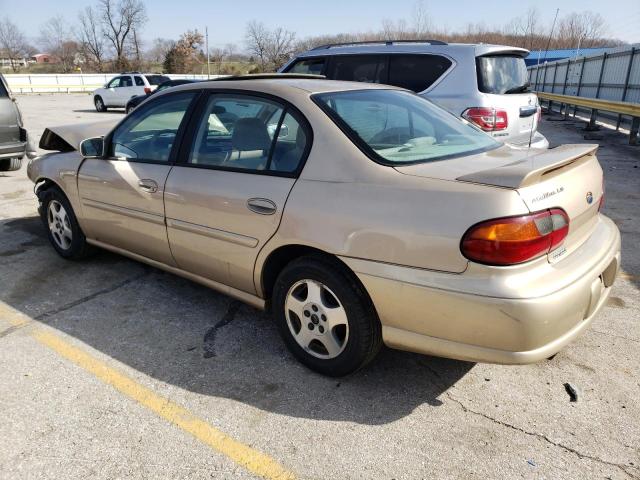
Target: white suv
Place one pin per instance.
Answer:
(117, 91)
(485, 84)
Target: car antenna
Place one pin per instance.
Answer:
(553, 26)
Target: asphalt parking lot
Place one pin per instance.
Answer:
(112, 369)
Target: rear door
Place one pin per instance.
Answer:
(9, 126)
(122, 195)
(224, 200)
(503, 82)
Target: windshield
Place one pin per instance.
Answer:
(502, 74)
(396, 127)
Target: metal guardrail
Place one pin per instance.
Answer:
(596, 104)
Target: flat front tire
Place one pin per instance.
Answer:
(325, 316)
(63, 230)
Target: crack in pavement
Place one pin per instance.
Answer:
(624, 468)
(210, 336)
(91, 296)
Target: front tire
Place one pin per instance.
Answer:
(99, 103)
(63, 230)
(325, 316)
(10, 164)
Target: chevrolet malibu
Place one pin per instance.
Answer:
(358, 214)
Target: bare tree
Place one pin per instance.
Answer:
(91, 37)
(56, 38)
(119, 21)
(13, 43)
(230, 50)
(257, 40)
(580, 28)
(159, 49)
(217, 56)
(280, 46)
(421, 19)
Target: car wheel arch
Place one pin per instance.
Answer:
(282, 256)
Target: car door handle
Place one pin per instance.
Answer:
(148, 185)
(263, 206)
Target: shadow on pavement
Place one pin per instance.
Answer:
(196, 339)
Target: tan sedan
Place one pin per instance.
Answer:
(359, 214)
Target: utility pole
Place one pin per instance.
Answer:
(206, 36)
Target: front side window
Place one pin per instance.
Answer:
(502, 74)
(396, 127)
(126, 82)
(358, 68)
(311, 66)
(3, 91)
(416, 72)
(149, 134)
(248, 133)
(115, 83)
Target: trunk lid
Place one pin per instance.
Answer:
(568, 177)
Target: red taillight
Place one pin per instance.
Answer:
(147, 90)
(488, 119)
(512, 240)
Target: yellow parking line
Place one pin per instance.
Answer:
(254, 461)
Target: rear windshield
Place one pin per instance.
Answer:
(395, 127)
(501, 74)
(157, 79)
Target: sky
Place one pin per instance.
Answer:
(227, 20)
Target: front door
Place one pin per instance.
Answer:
(225, 197)
(122, 194)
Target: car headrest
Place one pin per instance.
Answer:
(301, 139)
(250, 134)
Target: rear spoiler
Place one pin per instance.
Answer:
(67, 138)
(531, 169)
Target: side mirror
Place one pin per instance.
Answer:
(92, 147)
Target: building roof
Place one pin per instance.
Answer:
(561, 54)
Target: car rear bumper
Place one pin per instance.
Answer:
(13, 150)
(421, 314)
(538, 141)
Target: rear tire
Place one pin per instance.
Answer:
(99, 104)
(10, 164)
(325, 316)
(63, 230)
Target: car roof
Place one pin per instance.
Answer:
(478, 49)
(275, 83)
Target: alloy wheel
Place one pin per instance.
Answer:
(59, 225)
(316, 319)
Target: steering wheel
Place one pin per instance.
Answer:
(160, 141)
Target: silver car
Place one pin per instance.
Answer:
(484, 84)
(13, 137)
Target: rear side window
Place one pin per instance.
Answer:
(241, 132)
(310, 66)
(500, 74)
(416, 72)
(157, 79)
(139, 81)
(358, 68)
